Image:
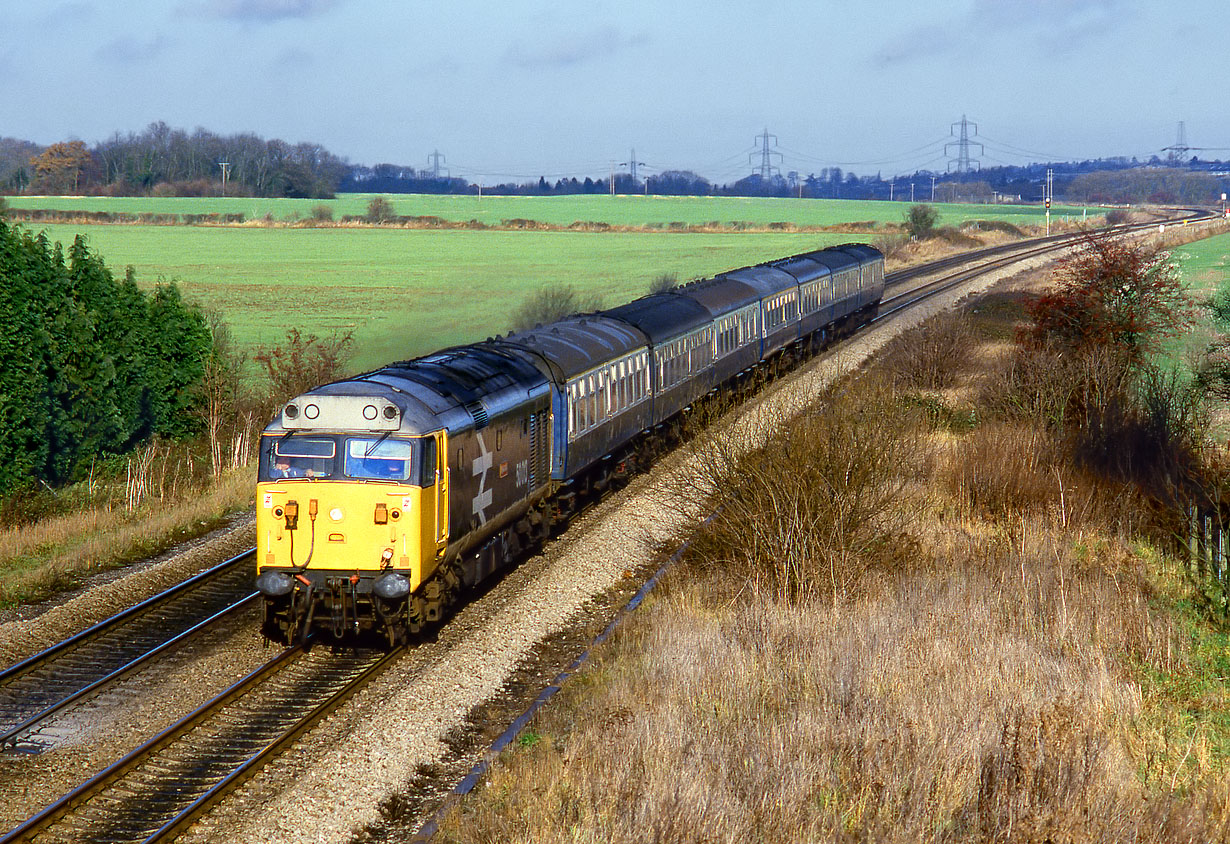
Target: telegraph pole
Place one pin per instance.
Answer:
(933, 188)
(226, 172)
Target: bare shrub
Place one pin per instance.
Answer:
(892, 245)
(1130, 423)
(551, 303)
(956, 237)
(304, 362)
(929, 356)
(805, 515)
(322, 213)
(1014, 471)
(380, 210)
(664, 283)
(998, 226)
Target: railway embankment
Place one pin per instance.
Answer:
(924, 605)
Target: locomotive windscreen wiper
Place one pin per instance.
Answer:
(376, 444)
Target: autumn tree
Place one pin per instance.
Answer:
(1087, 356)
(1116, 295)
(59, 168)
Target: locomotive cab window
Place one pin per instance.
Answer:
(379, 459)
(290, 457)
(427, 462)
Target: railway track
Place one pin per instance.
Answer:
(158, 788)
(35, 689)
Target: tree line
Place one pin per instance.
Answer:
(90, 366)
(164, 161)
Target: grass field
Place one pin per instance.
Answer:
(562, 210)
(408, 292)
(1205, 263)
(1205, 269)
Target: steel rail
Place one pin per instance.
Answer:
(106, 624)
(184, 787)
(81, 666)
(10, 737)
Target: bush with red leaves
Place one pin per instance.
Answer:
(1112, 295)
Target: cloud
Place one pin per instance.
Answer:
(1051, 26)
(572, 49)
(129, 50)
(262, 11)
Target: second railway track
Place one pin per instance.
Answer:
(37, 688)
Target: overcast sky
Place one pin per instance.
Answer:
(505, 88)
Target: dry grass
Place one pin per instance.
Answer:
(1010, 673)
(144, 514)
(810, 510)
(929, 356)
(972, 703)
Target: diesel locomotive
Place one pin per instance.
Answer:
(381, 497)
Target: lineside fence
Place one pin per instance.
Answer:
(1208, 542)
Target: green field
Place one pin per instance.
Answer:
(406, 292)
(562, 210)
(1205, 264)
(1205, 269)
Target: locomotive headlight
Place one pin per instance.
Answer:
(386, 555)
(336, 514)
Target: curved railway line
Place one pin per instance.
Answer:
(158, 788)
